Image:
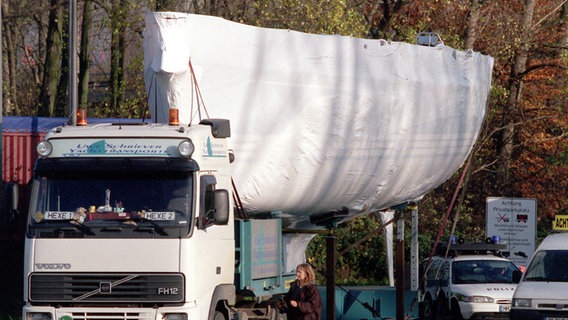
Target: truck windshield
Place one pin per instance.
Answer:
(548, 266)
(103, 204)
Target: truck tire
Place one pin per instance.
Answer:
(218, 315)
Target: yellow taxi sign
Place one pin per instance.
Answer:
(560, 222)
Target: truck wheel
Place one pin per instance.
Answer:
(242, 315)
(218, 315)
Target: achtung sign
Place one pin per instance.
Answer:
(560, 223)
(513, 220)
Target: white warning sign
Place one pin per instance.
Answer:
(513, 221)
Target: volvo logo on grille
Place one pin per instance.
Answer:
(105, 287)
(53, 266)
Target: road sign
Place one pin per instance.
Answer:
(513, 220)
(560, 223)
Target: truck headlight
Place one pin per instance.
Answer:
(186, 148)
(44, 148)
(522, 303)
(39, 316)
(474, 299)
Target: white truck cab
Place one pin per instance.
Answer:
(465, 285)
(121, 220)
(542, 292)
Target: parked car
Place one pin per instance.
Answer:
(468, 284)
(542, 292)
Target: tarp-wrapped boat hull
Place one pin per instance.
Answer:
(320, 122)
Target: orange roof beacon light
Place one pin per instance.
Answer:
(174, 117)
(82, 117)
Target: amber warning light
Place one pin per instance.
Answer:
(174, 117)
(82, 117)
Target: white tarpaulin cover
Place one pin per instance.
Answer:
(320, 122)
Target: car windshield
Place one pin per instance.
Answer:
(115, 204)
(548, 265)
(482, 271)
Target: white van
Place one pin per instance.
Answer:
(542, 292)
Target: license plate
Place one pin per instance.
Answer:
(505, 308)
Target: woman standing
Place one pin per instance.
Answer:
(303, 301)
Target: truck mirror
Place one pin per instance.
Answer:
(12, 195)
(221, 205)
(10, 212)
(217, 210)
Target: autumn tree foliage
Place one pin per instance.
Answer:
(522, 151)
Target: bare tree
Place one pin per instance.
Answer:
(84, 54)
(9, 50)
(53, 57)
(506, 140)
(119, 12)
(472, 23)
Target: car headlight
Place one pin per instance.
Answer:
(474, 299)
(522, 303)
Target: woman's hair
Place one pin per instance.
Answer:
(310, 274)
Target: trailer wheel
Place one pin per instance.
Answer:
(275, 314)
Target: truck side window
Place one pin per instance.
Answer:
(207, 187)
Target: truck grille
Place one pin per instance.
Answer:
(112, 316)
(85, 288)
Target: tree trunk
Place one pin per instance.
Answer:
(84, 54)
(472, 23)
(52, 69)
(62, 98)
(9, 47)
(506, 141)
(117, 53)
(564, 25)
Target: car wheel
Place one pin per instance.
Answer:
(456, 312)
(441, 309)
(427, 310)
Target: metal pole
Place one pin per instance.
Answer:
(330, 277)
(73, 99)
(1, 106)
(399, 284)
(414, 252)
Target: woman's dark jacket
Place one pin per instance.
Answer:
(309, 302)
